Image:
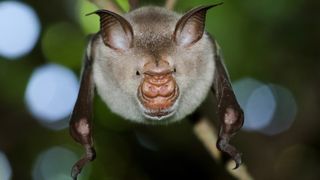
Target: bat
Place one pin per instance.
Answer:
(154, 66)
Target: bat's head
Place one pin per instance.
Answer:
(153, 65)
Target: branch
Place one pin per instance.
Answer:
(207, 134)
(133, 4)
(170, 4)
(241, 173)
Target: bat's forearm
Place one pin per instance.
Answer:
(229, 111)
(80, 121)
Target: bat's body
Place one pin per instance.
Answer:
(154, 66)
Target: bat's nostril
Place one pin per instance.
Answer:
(160, 68)
(158, 73)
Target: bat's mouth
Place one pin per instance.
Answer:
(158, 96)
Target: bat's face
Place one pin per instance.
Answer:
(149, 68)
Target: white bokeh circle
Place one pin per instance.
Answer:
(51, 93)
(20, 29)
(5, 168)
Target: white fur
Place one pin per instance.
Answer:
(195, 82)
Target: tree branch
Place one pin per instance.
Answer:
(208, 136)
(170, 4)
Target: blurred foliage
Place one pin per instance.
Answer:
(273, 41)
(124, 5)
(89, 24)
(64, 38)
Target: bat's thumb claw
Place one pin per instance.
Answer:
(237, 159)
(224, 146)
(75, 172)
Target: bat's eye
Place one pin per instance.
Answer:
(138, 73)
(174, 70)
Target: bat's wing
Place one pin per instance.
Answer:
(116, 32)
(80, 121)
(229, 112)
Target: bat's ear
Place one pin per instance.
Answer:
(116, 31)
(189, 29)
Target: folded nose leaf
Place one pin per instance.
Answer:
(158, 93)
(149, 90)
(153, 87)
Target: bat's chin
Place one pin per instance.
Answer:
(159, 114)
(158, 107)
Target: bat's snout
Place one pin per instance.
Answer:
(158, 92)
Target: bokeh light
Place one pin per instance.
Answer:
(285, 112)
(269, 109)
(64, 44)
(20, 29)
(257, 101)
(51, 94)
(243, 89)
(260, 108)
(56, 163)
(5, 169)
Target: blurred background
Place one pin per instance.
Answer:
(271, 49)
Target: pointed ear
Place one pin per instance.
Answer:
(116, 31)
(189, 29)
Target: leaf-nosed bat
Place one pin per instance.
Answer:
(154, 66)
